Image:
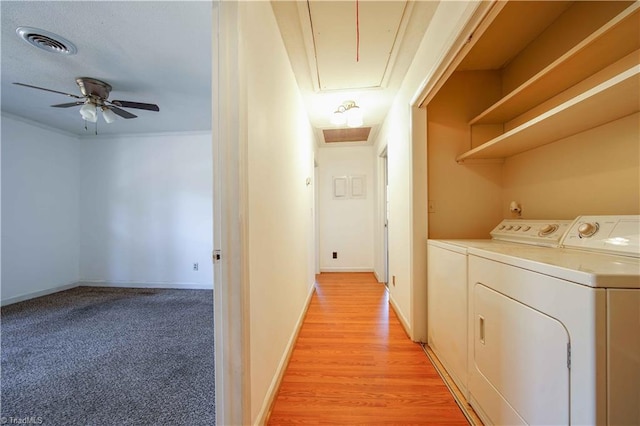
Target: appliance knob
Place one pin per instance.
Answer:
(547, 230)
(588, 229)
(517, 228)
(501, 227)
(509, 228)
(526, 228)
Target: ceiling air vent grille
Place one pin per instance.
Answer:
(46, 40)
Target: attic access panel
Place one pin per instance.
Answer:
(335, 31)
(359, 134)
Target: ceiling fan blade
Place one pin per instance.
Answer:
(70, 104)
(122, 113)
(49, 90)
(138, 105)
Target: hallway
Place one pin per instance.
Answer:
(353, 363)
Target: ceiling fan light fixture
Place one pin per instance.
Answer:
(89, 113)
(108, 115)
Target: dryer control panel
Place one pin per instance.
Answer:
(546, 233)
(606, 234)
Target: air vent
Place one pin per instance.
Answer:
(46, 40)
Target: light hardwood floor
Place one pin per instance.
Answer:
(354, 364)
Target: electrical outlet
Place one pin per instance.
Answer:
(335, 254)
(393, 280)
(195, 266)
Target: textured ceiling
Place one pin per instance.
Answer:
(152, 52)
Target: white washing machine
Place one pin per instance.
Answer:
(447, 313)
(554, 333)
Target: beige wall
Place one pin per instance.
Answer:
(594, 172)
(280, 203)
(465, 198)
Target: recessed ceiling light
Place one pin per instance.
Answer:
(46, 40)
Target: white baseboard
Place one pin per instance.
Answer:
(346, 269)
(401, 317)
(129, 284)
(39, 293)
(272, 392)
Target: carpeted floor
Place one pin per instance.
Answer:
(106, 356)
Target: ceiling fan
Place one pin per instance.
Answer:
(95, 96)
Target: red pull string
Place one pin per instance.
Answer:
(357, 31)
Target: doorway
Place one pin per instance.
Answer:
(385, 217)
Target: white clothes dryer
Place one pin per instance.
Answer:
(447, 306)
(554, 333)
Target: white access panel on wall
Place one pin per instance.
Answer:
(520, 373)
(340, 187)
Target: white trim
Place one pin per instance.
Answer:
(231, 273)
(144, 135)
(347, 269)
(459, 39)
(272, 391)
(400, 315)
(145, 284)
(39, 293)
(78, 136)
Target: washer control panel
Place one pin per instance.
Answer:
(609, 234)
(546, 233)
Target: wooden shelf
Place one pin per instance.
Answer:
(617, 38)
(610, 100)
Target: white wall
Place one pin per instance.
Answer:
(115, 211)
(396, 134)
(279, 222)
(146, 210)
(346, 225)
(40, 196)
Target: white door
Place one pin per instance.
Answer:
(385, 217)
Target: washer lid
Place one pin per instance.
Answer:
(605, 234)
(578, 266)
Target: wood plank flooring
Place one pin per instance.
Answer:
(354, 364)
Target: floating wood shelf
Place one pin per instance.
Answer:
(619, 37)
(608, 101)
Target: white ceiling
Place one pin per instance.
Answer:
(160, 52)
(321, 40)
(151, 52)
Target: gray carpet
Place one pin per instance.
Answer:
(105, 356)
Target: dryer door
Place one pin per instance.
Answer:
(519, 369)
